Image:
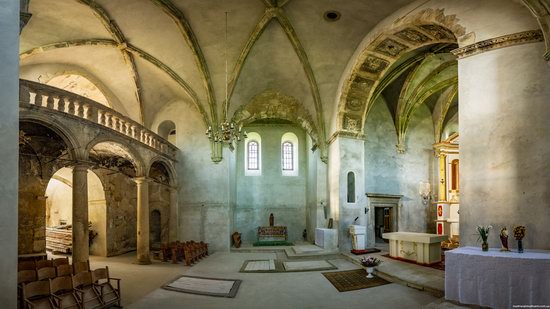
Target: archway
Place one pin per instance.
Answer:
(163, 215)
(167, 130)
(117, 165)
(43, 149)
(59, 195)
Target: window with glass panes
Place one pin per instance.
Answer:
(252, 163)
(288, 156)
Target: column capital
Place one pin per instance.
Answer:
(81, 166)
(141, 179)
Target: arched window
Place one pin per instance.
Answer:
(253, 154)
(351, 187)
(289, 154)
(252, 149)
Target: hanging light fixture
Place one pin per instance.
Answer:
(226, 132)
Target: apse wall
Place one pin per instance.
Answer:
(388, 172)
(271, 192)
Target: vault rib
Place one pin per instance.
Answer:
(131, 49)
(112, 27)
(187, 32)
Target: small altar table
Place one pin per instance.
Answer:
(422, 248)
(497, 279)
(272, 233)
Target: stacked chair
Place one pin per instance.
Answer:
(58, 284)
(189, 251)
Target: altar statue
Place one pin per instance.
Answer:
(504, 239)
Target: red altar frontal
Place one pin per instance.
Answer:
(272, 233)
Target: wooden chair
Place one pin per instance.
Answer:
(109, 294)
(64, 270)
(43, 263)
(46, 273)
(60, 261)
(26, 265)
(81, 267)
(88, 294)
(26, 276)
(37, 295)
(62, 289)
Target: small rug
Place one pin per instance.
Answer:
(306, 249)
(365, 251)
(351, 280)
(438, 266)
(308, 265)
(272, 243)
(204, 286)
(278, 266)
(261, 266)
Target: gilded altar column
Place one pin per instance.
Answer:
(81, 249)
(442, 177)
(142, 185)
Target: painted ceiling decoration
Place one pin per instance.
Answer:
(378, 66)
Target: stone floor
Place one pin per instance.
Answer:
(141, 284)
(282, 290)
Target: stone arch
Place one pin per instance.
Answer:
(65, 133)
(275, 105)
(167, 165)
(133, 155)
(381, 54)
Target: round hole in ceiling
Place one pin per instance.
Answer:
(332, 15)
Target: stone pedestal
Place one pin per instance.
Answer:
(142, 184)
(326, 238)
(81, 249)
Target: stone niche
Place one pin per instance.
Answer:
(386, 204)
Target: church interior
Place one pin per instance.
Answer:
(275, 153)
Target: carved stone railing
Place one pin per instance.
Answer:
(55, 99)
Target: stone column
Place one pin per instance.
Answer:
(9, 123)
(80, 213)
(142, 184)
(173, 234)
(504, 145)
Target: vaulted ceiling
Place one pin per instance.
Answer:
(145, 54)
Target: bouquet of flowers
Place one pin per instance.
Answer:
(519, 232)
(483, 232)
(370, 261)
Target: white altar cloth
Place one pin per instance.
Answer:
(497, 279)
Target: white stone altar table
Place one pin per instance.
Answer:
(422, 248)
(498, 279)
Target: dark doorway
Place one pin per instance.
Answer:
(155, 230)
(382, 222)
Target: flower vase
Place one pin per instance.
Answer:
(370, 270)
(485, 246)
(520, 246)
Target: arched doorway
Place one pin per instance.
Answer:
(59, 208)
(161, 203)
(155, 229)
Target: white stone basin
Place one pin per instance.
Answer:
(358, 229)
